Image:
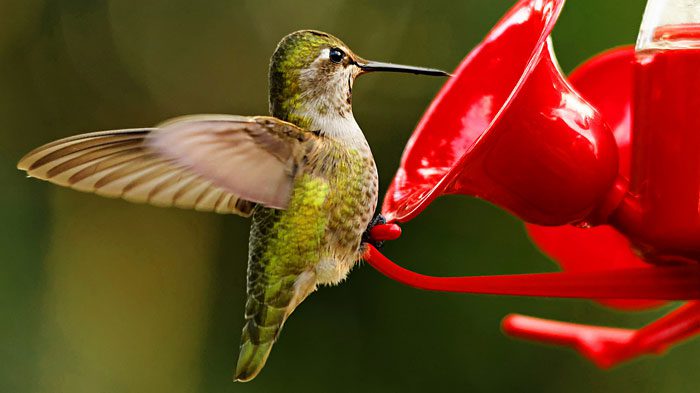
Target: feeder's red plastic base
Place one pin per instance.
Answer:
(605, 346)
(679, 282)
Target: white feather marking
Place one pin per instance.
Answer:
(325, 54)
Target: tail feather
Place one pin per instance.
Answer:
(263, 325)
(265, 314)
(251, 360)
(259, 334)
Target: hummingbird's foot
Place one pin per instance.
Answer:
(378, 231)
(367, 235)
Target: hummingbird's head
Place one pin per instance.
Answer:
(312, 74)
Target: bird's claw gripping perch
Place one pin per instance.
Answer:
(378, 231)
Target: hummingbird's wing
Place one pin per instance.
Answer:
(215, 163)
(255, 157)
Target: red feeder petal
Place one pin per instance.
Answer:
(507, 127)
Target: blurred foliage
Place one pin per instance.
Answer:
(101, 295)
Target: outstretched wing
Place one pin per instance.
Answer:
(218, 163)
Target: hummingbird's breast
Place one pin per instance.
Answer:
(352, 199)
(332, 203)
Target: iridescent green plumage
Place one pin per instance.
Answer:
(283, 245)
(316, 240)
(330, 207)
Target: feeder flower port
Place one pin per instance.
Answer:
(603, 166)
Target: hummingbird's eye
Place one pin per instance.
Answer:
(336, 55)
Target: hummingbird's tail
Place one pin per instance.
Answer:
(264, 321)
(262, 327)
(252, 356)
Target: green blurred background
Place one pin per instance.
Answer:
(101, 295)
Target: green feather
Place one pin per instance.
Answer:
(283, 245)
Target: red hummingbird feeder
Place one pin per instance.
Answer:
(602, 166)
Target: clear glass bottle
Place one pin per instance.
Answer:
(669, 24)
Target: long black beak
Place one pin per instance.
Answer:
(371, 66)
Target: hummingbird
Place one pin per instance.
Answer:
(305, 175)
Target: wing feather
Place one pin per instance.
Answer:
(119, 164)
(258, 157)
(220, 163)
